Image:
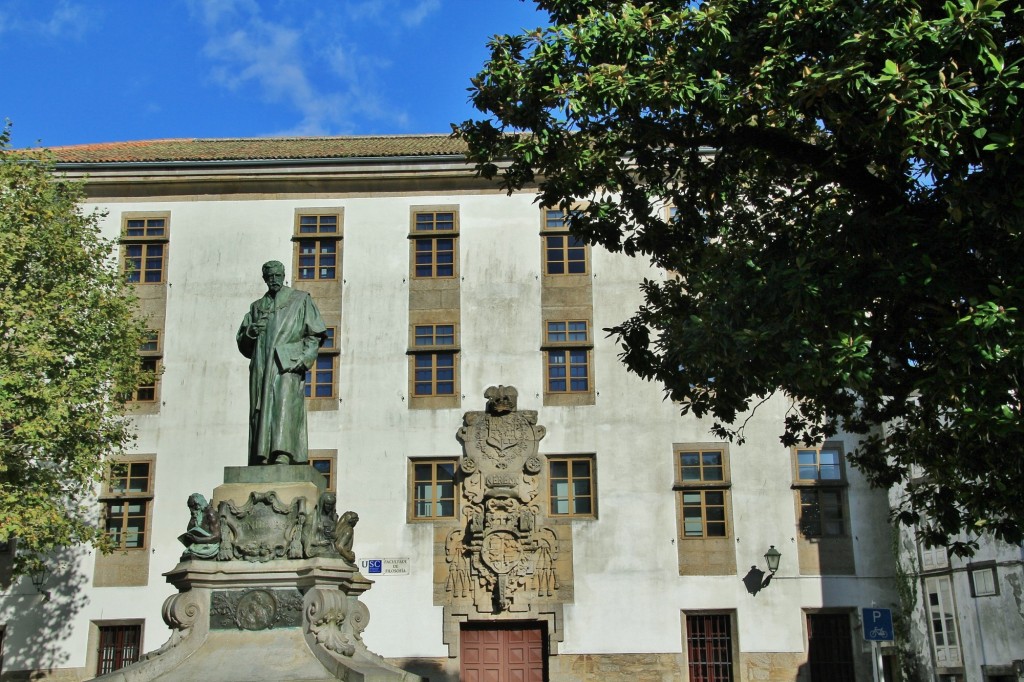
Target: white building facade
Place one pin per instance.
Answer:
(436, 286)
(966, 615)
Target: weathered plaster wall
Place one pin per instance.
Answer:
(628, 591)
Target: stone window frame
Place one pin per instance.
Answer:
(94, 656)
(820, 511)
(566, 349)
(811, 492)
(331, 459)
(684, 486)
(325, 244)
(933, 558)
(845, 616)
(151, 354)
(570, 479)
(730, 618)
(426, 237)
(423, 345)
(110, 496)
(555, 238)
(330, 352)
(140, 248)
(948, 617)
(435, 483)
(979, 568)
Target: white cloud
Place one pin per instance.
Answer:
(415, 15)
(308, 66)
(384, 12)
(67, 20)
(211, 12)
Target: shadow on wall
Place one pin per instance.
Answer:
(429, 669)
(39, 622)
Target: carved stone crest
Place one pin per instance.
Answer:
(502, 547)
(263, 528)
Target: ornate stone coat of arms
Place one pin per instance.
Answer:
(501, 545)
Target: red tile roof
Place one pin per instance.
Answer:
(194, 149)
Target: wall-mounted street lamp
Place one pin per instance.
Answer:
(756, 580)
(39, 576)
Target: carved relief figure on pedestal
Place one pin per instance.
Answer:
(501, 544)
(344, 533)
(202, 536)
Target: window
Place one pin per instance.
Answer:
(433, 489)
(983, 581)
(320, 377)
(144, 248)
(119, 645)
(820, 485)
(150, 352)
(830, 647)
(821, 513)
(433, 360)
(324, 463)
(435, 374)
(316, 246)
(126, 504)
(572, 486)
(942, 617)
(709, 647)
(564, 254)
(934, 558)
(434, 335)
(819, 464)
(701, 488)
(434, 236)
(568, 356)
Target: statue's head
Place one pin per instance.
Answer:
(273, 275)
(350, 518)
(328, 502)
(501, 399)
(196, 501)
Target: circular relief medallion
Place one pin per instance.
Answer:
(533, 464)
(257, 610)
(501, 551)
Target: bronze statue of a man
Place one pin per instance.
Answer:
(280, 335)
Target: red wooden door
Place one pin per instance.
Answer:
(502, 654)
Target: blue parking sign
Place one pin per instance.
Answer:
(877, 624)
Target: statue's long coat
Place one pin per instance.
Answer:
(277, 413)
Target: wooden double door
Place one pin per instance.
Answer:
(502, 653)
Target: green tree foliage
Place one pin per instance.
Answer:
(69, 342)
(846, 178)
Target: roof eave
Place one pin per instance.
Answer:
(198, 164)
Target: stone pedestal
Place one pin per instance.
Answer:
(276, 605)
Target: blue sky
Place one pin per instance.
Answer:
(82, 71)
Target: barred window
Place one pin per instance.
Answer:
(709, 647)
(119, 645)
